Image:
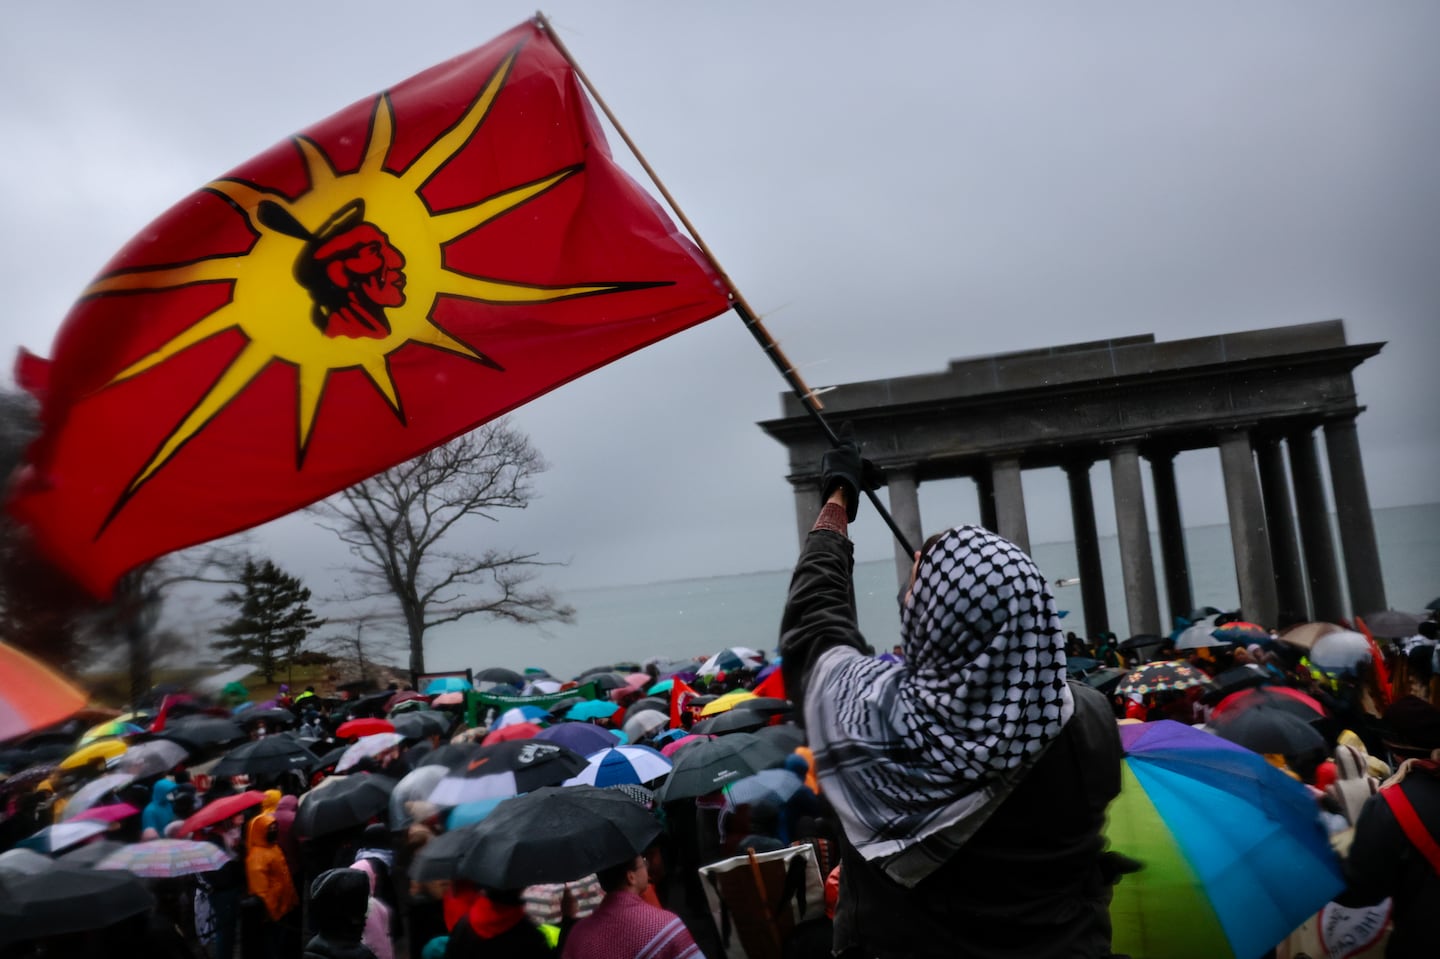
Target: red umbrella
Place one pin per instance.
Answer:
(404, 696)
(221, 809)
(111, 813)
(33, 695)
(1284, 698)
(355, 728)
(513, 731)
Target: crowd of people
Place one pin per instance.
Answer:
(945, 798)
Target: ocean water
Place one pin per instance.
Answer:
(698, 616)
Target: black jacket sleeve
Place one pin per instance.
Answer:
(819, 610)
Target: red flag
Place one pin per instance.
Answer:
(417, 264)
(680, 696)
(772, 685)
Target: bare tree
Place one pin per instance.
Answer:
(396, 523)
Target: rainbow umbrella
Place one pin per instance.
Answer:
(32, 695)
(166, 858)
(108, 730)
(1235, 857)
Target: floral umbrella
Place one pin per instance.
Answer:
(166, 858)
(1160, 677)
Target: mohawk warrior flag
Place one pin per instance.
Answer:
(417, 264)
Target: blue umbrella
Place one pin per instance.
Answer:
(468, 813)
(584, 738)
(623, 764)
(592, 709)
(447, 684)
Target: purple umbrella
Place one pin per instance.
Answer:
(584, 738)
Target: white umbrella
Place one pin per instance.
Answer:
(416, 787)
(152, 757)
(544, 686)
(367, 746)
(92, 792)
(1199, 637)
(622, 764)
(643, 723)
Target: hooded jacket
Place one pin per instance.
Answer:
(338, 901)
(266, 869)
(159, 813)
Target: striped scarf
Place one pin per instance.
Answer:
(915, 756)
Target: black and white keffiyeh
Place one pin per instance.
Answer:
(915, 756)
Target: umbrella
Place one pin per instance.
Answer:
(369, 706)
(67, 899)
(151, 758)
(583, 738)
(706, 767)
(1074, 665)
(663, 686)
(24, 862)
(33, 695)
(166, 858)
(644, 723)
(342, 802)
(1268, 729)
(26, 778)
(499, 674)
(204, 731)
(221, 810)
(556, 835)
(416, 787)
(468, 814)
(104, 750)
(1199, 636)
(674, 746)
(649, 703)
(1241, 632)
(560, 707)
(405, 696)
(1392, 624)
(732, 721)
(421, 723)
(367, 746)
(1143, 641)
(787, 736)
(1304, 635)
(1434, 604)
(450, 754)
(447, 684)
(507, 769)
(1234, 680)
(264, 758)
(95, 790)
(604, 681)
(109, 729)
(369, 726)
(772, 787)
(726, 702)
(591, 709)
(1283, 698)
(438, 858)
(106, 814)
(505, 734)
(543, 686)
(89, 854)
(1160, 677)
(1235, 857)
(1340, 652)
(271, 717)
(63, 835)
(448, 699)
(1104, 680)
(622, 764)
(327, 760)
(736, 657)
(520, 714)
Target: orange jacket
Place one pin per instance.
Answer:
(266, 870)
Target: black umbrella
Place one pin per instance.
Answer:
(67, 899)
(328, 759)
(556, 835)
(90, 853)
(507, 769)
(450, 754)
(604, 681)
(342, 802)
(421, 723)
(1234, 680)
(203, 732)
(499, 674)
(704, 767)
(787, 736)
(1268, 729)
(266, 757)
(439, 857)
(1434, 604)
(1391, 624)
(1104, 680)
(270, 717)
(765, 705)
(731, 721)
(1143, 641)
(371, 704)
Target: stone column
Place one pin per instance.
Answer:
(807, 506)
(1172, 533)
(1010, 501)
(1316, 534)
(1087, 549)
(905, 510)
(1280, 521)
(1357, 526)
(985, 489)
(1254, 571)
(1136, 564)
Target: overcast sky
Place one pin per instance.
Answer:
(891, 185)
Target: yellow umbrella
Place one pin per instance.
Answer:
(727, 702)
(106, 749)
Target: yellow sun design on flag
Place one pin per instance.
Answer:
(367, 255)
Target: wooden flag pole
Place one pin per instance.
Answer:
(807, 396)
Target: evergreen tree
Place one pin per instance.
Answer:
(272, 621)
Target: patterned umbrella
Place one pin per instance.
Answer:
(1235, 855)
(622, 764)
(166, 858)
(33, 695)
(1159, 677)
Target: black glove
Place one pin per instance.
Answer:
(844, 467)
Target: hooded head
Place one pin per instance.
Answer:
(339, 899)
(162, 792)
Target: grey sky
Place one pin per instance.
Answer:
(892, 185)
